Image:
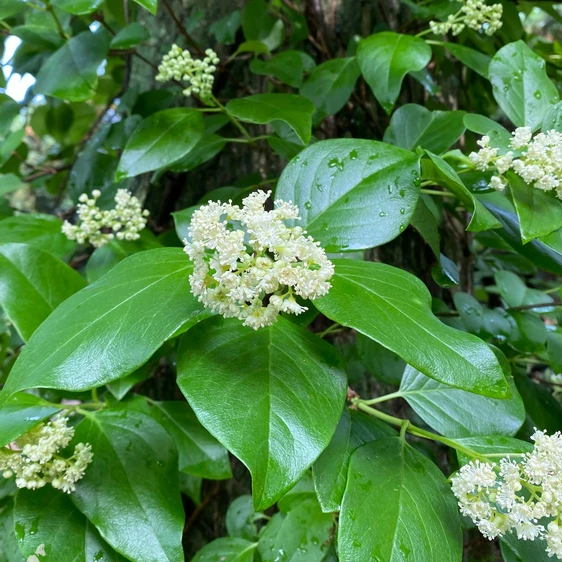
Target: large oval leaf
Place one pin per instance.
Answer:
(385, 58)
(32, 284)
(229, 549)
(160, 140)
(272, 397)
(130, 491)
(521, 85)
(292, 109)
(47, 518)
(39, 231)
(352, 194)
(397, 507)
(393, 308)
(111, 327)
(457, 413)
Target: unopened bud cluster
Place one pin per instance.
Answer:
(537, 160)
(519, 497)
(248, 264)
(34, 461)
(475, 14)
(98, 226)
(179, 65)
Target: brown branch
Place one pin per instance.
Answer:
(182, 30)
(200, 508)
(44, 172)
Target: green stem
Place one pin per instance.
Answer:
(233, 119)
(329, 330)
(253, 139)
(384, 398)
(436, 192)
(95, 398)
(417, 431)
(51, 10)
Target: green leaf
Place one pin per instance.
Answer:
(288, 66)
(21, 413)
(457, 413)
(130, 36)
(385, 58)
(352, 193)
(413, 125)
(9, 183)
(225, 29)
(227, 549)
(292, 379)
(9, 549)
(259, 25)
(521, 85)
(191, 487)
(200, 453)
(138, 509)
(93, 337)
(303, 535)
(208, 147)
(150, 5)
(475, 60)
(78, 7)
(71, 73)
(512, 289)
(11, 7)
(160, 140)
(47, 518)
(397, 506)
(493, 445)
(440, 172)
(39, 231)
(527, 551)
(554, 348)
(485, 126)
(240, 519)
(103, 259)
(330, 85)
(396, 312)
(302, 490)
(32, 284)
(330, 470)
(292, 109)
(470, 311)
(539, 212)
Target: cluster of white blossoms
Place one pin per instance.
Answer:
(98, 226)
(537, 160)
(179, 65)
(33, 459)
(475, 14)
(248, 264)
(521, 497)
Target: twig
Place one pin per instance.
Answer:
(200, 508)
(182, 30)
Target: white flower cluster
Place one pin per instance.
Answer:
(517, 496)
(98, 227)
(248, 264)
(475, 14)
(538, 160)
(35, 461)
(179, 65)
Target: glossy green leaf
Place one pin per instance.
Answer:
(130, 491)
(493, 445)
(331, 84)
(208, 147)
(292, 380)
(385, 58)
(511, 287)
(48, 518)
(527, 551)
(240, 519)
(539, 212)
(475, 60)
(457, 413)
(227, 549)
(9, 550)
(150, 5)
(111, 327)
(160, 140)
(395, 310)
(32, 284)
(11, 7)
(78, 7)
(330, 470)
(440, 172)
(39, 231)
(287, 66)
(379, 361)
(304, 534)
(413, 125)
(301, 491)
(200, 453)
(9, 183)
(21, 413)
(470, 311)
(292, 109)
(191, 487)
(352, 194)
(71, 73)
(225, 28)
(130, 36)
(397, 506)
(521, 85)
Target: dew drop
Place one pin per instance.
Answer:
(308, 205)
(538, 94)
